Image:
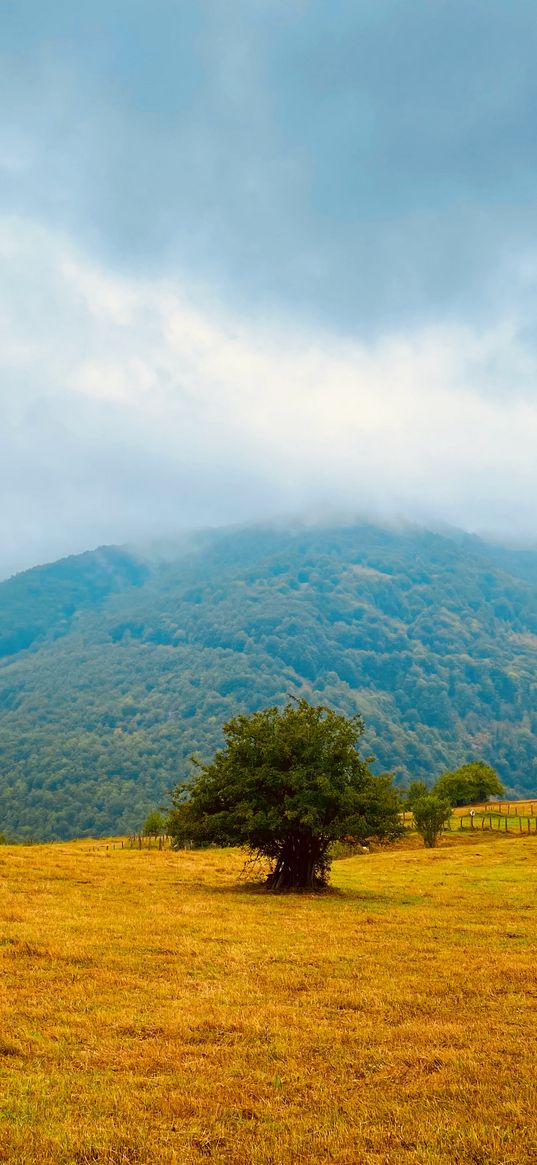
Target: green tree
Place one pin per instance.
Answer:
(288, 783)
(430, 815)
(155, 824)
(469, 785)
(415, 791)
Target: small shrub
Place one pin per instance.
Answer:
(430, 815)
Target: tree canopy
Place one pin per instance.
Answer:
(472, 784)
(288, 783)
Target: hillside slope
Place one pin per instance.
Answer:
(115, 668)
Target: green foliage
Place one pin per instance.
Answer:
(416, 790)
(288, 783)
(47, 599)
(471, 784)
(155, 824)
(431, 813)
(114, 672)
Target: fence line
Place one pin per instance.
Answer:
(525, 808)
(140, 841)
(496, 821)
(458, 822)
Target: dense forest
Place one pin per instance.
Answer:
(116, 666)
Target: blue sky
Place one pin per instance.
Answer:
(265, 258)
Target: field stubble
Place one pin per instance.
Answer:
(156, 1009)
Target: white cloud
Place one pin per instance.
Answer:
(129, 406)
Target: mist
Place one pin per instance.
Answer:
(261, 260)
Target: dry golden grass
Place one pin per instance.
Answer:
(156, 1011)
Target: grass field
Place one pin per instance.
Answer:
(156, 1010)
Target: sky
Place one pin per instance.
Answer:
(262, 258)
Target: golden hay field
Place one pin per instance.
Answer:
(156, 1010)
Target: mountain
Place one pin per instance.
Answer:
(115, 666)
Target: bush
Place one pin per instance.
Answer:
(430, 815)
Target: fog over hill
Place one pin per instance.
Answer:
(261, 258)
(116, 665)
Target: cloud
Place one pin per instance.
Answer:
(135, 406)
(360, 164)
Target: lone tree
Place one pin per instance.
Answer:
(470, 785)
(288, 783)
(430, 815)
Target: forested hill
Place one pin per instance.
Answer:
(115, 667)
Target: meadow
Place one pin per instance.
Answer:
(158, 1007)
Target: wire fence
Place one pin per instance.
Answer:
(492, 819)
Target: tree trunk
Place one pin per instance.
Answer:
(301, 865)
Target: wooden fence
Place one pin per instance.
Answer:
(508, 823)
